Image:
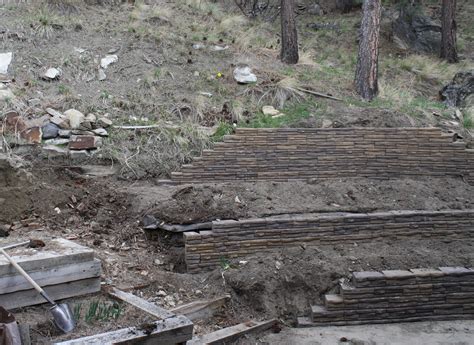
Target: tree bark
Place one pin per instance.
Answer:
(367, 60)
(289, 35)
(448, 31)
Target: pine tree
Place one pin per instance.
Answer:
(289, 35)
(448, 31)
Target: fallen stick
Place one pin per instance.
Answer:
(319, 94)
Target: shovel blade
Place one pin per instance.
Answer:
(63, 317)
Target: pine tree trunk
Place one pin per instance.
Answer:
(367, 60)
(448, 31)
(289, 36)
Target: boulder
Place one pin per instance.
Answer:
(416, 32)
(244, 75)
(75, 118)
(460, 92)
(50, 131)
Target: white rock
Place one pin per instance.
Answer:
(269, 110)
(244, 75)
(219, 48)
(109, 59)
(57, 141)
(75, 118)
(79, 50)
(5, 61)
(162, 293)
(102, 75)
(326, 123)
(198, 46)
(52, 73)
(101, 132)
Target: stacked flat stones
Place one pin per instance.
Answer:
(446, 293)
(204, 250)
(289, 154)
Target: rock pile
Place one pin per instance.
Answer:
(59, 132)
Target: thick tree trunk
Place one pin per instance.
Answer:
(289, 36)
(448, 31)
(367, 60)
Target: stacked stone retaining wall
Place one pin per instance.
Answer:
(304, 153)
(232, 239)
(445, 293)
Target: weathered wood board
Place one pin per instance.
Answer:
(170, 331)
(51, 276)
(57, 292)
(231, 333)
(58, 252)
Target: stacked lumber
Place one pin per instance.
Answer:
(237, 238)
(63, 268)
(288, 154)
(446, 293)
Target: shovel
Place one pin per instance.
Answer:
(62, 314)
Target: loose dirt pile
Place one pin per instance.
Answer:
(199, 203)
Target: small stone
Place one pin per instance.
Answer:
(64, 133)
(158, 262)
(270, 111)
(32, 135)
(14, 122)
(108, 60)
(196, 73)
(198, 46)
(102, 75)
(244, 75)
(162, 293)
(55, 151)
(5, 61)
(219, 48)
(84, 142)
(326, 124)
(61, 121)
(53, 112)
(85, 126)
(60, 141)
(104, 122)
(90, 118)
(100, 132)
(75, 117)
(198, 292)
(52, 74)
(79, 154)
(50, 130)
(34, 102)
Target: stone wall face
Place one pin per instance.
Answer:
(233, 239)
(421, 294)
(305, 153)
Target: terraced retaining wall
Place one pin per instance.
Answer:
(445, 293)
(304, 153)
(233, 239)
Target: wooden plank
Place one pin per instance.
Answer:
(58, 252)
(54, 276)
(140, 303)
(231, 333)
(25, 298)
(201, 309)
(171, 331)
